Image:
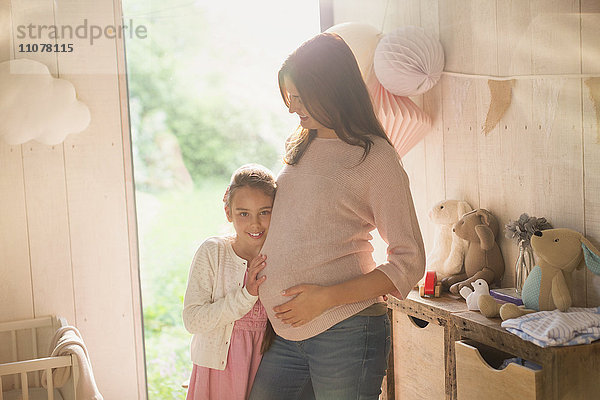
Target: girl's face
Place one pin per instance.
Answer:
(306, 120)
(250, 212)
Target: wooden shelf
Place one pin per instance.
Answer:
(570, 372)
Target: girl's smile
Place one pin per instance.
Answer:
(257, 235)
(250, 213)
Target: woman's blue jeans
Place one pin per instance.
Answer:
(346, 362)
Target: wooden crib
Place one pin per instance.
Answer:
(24, 357)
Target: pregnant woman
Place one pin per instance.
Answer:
(342, 179)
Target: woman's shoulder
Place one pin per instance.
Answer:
(381, 149)
(382, 145)
(383, 164)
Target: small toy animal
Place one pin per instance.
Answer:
(447, 255)
(548, 285)
(472, 296)
(483, 259)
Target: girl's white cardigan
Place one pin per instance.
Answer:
(214, 299)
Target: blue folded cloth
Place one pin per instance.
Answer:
(556, 328)
(520, 361)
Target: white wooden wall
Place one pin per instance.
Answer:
(543, 158)
(67, 226)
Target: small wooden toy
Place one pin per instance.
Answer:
(431, 287)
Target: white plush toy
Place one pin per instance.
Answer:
(472, 296)
(448, 252)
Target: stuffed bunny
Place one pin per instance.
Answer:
(483, 259)
(448, 252)
(548, 285)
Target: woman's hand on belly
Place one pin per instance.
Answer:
(310, 302)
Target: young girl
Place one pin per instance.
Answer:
(343, 179)
(220, 306)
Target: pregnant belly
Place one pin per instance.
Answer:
(281, 277)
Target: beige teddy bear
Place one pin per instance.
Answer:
(448, 252)
(548, 285)
(483, 259)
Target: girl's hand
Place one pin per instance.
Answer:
(310, 302)
(256, 265)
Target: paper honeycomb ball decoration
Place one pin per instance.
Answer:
(362, 40)
(404, 122)
(408, 61)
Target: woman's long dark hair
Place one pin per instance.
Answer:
(331, 87)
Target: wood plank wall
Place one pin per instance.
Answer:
(543, 158)
(67, 221)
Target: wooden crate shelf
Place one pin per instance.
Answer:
(570, 372)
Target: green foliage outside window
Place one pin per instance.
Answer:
(203, 100)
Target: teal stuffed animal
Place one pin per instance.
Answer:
(548, 285)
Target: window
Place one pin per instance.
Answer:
(203, 100)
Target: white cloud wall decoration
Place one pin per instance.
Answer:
(36, 106)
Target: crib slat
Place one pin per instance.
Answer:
(33, 365)
(49, 384)
(13, 335)
(20, 369)
(35, 355)
(26, 323)
(34, 342)
(25, 386)
(75, 372)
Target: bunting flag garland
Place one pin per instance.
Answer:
(408, 62)
(500, 98)
(460, 92)
(548, 89)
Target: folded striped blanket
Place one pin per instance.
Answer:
(556, 328)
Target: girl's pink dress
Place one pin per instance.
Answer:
(235, 381)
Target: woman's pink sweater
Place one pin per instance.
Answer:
(324, 210)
